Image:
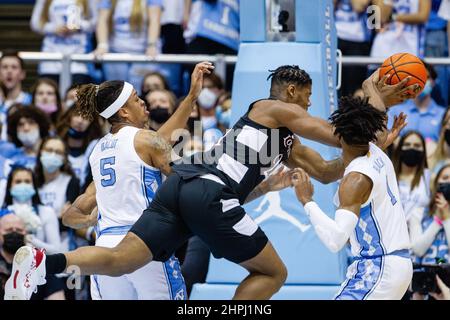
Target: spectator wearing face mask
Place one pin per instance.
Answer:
(413, 176)
(80, 136)
(12, 237)
(58, 186)
(223, 111)
(441, 149)
(207, 100)
(12, 74)
(41, 223)
(161, 106)
(46, 97)
(423, 113)
(26, 128)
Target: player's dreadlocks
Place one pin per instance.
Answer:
(289, 75)
(357, 121)
(94, 99)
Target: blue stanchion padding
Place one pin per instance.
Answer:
(226, 292)
(254, 29)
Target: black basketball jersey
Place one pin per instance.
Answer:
(242, 157)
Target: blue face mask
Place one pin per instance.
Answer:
(22, 192)
(223, 117)
(51, 161)
(426, 90)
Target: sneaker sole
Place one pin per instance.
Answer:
(21, 255)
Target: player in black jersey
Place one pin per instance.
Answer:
(205, 194)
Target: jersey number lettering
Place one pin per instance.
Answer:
(108, 172)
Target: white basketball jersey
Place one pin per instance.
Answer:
(124, 183)
(381, 227)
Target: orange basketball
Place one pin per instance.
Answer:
(401, 65)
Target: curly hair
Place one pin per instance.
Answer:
(28, 112)
(356, 121)
(94, 99)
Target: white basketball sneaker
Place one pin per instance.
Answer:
(27, 273)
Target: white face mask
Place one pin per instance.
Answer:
(207, 99)
(29, 139)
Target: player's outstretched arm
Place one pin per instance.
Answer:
(354, 190)
(313, 163)
(279, 180)
(83, 212)
(300, 122)
(179, 119)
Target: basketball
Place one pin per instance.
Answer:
(401, 65)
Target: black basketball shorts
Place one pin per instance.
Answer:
(198, 206)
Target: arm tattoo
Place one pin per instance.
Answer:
(159, 143)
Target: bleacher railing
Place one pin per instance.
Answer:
(220, 61)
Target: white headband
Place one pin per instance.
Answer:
(120, 101)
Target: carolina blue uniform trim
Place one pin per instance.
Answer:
(169, 285)
(373, 247)
(119, 230)
(97, 285)
(175, 280)
(364, 281)
(143, 186)
(148, 178)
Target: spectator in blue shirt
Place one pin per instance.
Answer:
(423, 113)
